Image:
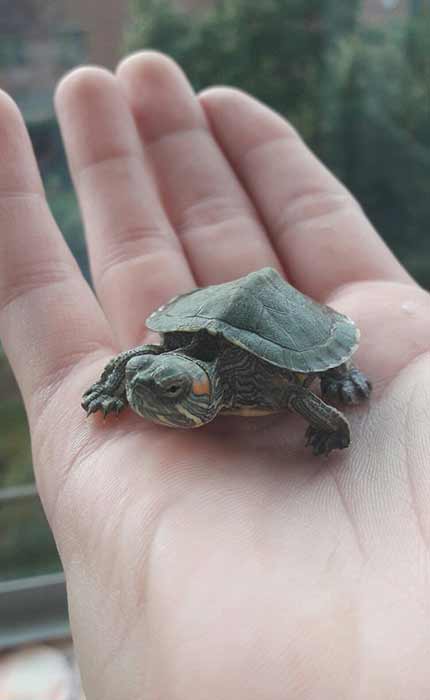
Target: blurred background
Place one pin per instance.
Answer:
(353, 77)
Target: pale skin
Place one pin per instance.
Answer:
(223, 562)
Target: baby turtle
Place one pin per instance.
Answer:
(251, 347)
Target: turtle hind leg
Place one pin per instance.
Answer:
(328, 429)
(345, 384)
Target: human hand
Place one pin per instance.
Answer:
(224, 562)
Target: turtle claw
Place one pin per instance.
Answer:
(93, 402)
(324, 441)
(91, 409)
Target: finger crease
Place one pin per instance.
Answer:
(349, 516)
(34, 280)
(277, 142)
(122, 158)
(410, 459)
(6, 195)
(312, 207)
(135, 251)
(237, 221)
(167, 135)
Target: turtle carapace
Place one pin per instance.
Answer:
(252, 346)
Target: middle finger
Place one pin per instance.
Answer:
(211, 213)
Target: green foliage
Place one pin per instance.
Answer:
(378, 133)
(48, 146)
(64, 207)
(26, 544)
(273, 49)
(360, 96)
(15, 453)
(27, 547)
(12, 50)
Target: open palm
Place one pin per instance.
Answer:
(225, 562)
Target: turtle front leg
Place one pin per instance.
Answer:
(345, 384)
(328, 429)
(108, 393)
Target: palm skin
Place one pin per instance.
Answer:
(223, 562)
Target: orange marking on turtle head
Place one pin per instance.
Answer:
(201, 387)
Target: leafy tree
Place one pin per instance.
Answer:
(378, 141)
(274, 49)
(359, 96)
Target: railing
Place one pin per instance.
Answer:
(35, 608)
(18, 493)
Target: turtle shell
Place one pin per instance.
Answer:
(266, 316)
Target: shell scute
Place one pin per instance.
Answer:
(266, 316)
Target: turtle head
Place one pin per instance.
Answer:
(170, 389)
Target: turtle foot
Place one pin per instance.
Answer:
(95, 399)
(352, 387)
(324, 441)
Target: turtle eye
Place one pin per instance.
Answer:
(173, 389)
